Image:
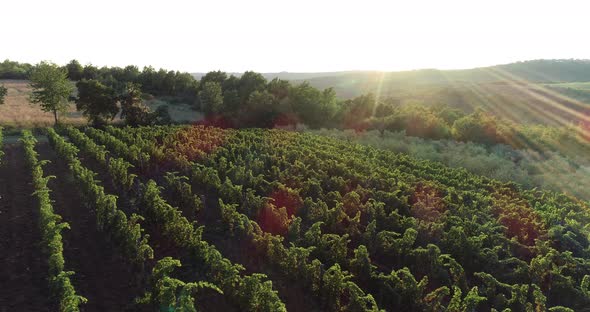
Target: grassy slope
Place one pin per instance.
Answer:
(547, 91)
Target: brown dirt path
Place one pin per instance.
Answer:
(23, 267)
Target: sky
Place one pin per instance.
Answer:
(293, 35)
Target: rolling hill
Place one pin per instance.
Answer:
(548, 92)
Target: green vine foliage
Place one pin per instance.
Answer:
(51, 227)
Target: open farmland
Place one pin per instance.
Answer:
(18, 112)
(269, 220)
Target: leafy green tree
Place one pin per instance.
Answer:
(211, 98)
(231, 101)
(231, 83)
(133, 110)
(51, 88)
(14, 70)
(416, 120)
(75, 70)
(358, 109)
(279, 88)
(214, 76)
(250, 82)
(479, 127)
(90, 72)
(314, 107)
(260, 110)
(161, 115)
(130, 74)
(3, 92)
(96, 101)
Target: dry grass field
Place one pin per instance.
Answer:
(18, 112)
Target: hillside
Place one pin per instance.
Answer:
(289, 75)
(353, 83)
(526, 92)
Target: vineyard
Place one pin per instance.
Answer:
(194, 218)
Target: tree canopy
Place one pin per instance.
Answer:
(211, 97)
(96, 101)
(133, 110)
(51, 88)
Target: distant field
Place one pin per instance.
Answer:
(573, 85)
(579, 91)
(18, 112)
(178, 111)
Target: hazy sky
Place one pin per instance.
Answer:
(293, 35)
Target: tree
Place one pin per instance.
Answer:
(133, 110)
(14, 70)
(162, 115)
(279, 88)
(356, 111)
(211, 98)
(316, 108)
(3, 92)
(214, 76)
(250, 82)
(90, 72)
(97, 102)
(231, 101)
(477, 127)
(260, 110)
(51, 88)
(75, 70)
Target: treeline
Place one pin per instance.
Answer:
(14, 70)
(155, 82)
(181, 86)
(252, 101)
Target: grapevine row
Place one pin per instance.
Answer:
(163, 290)
(51, 227)
(124, 231)
(250, 292)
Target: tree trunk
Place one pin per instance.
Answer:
(55, 116)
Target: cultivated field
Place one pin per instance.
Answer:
(270, 220)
